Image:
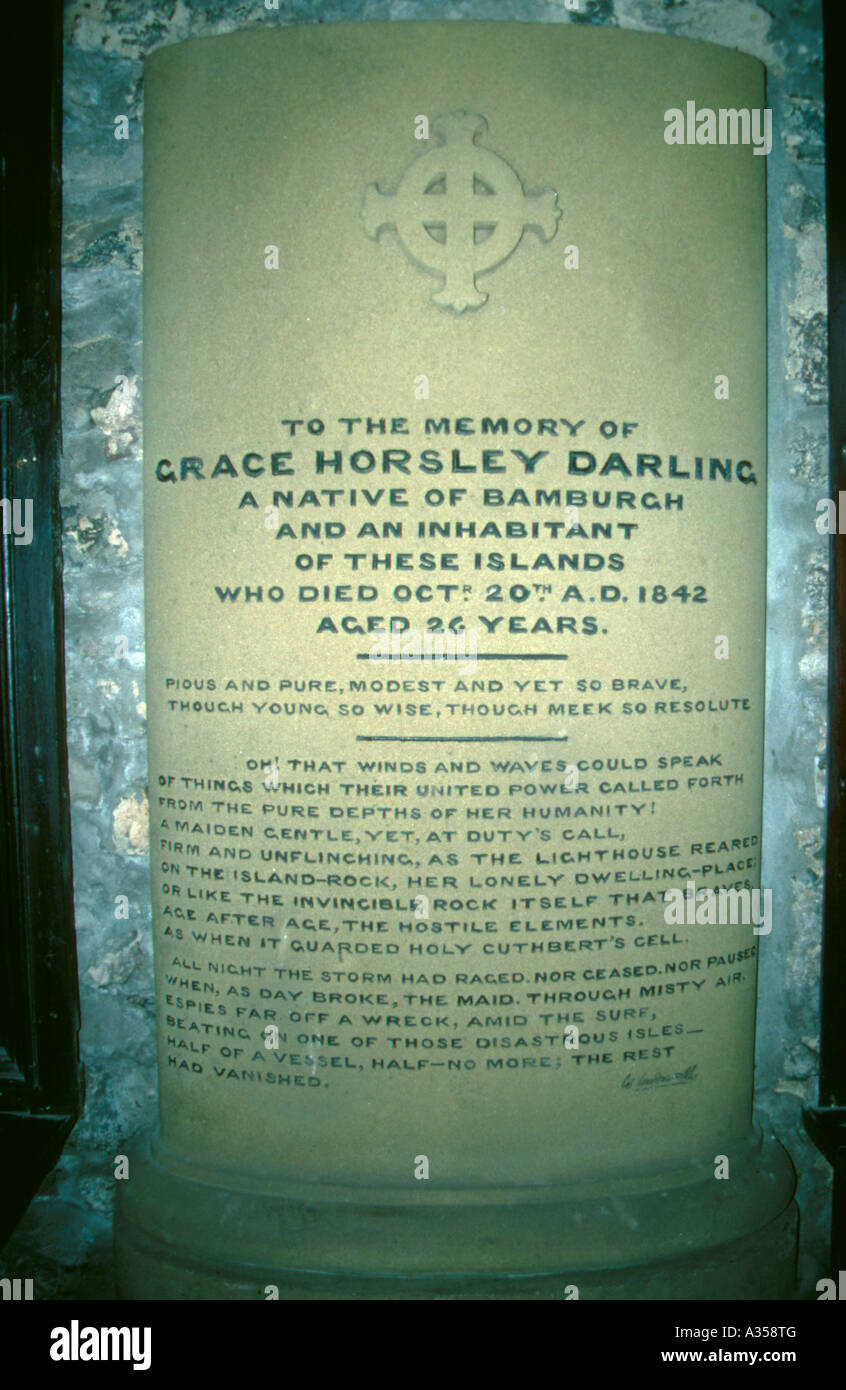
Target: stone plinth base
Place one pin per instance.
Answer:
(181, 1234)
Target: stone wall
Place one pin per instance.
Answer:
(64, 1242)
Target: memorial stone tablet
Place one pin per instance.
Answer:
(455, 504)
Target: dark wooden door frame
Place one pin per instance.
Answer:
(41, 1083)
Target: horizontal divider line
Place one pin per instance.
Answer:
(461, 738)
(480, 656)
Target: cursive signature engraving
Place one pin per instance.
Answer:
(672, 1078)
